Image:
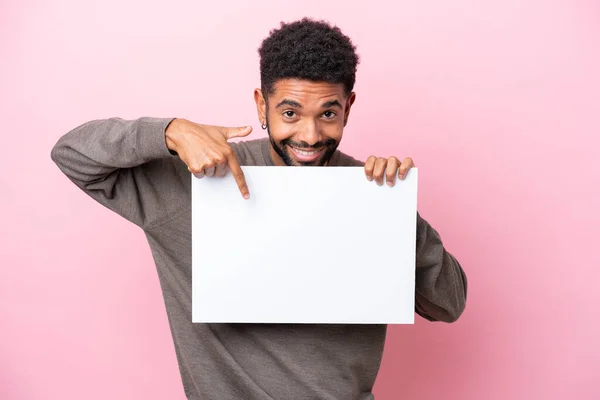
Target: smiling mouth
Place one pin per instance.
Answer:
(306, 155)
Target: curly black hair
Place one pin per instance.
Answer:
(307, 49)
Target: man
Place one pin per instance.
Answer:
(141, 170)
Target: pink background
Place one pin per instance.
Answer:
(497, 102)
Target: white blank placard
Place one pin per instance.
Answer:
(311, 245)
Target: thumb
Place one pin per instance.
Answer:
(236, 132)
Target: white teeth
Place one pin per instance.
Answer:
(305, 153)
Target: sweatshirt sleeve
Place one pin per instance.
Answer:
(441, 283)
(125, 165)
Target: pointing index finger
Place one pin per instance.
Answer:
(238, 175)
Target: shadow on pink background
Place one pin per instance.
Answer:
(498, 104)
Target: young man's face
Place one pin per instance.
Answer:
(305, 120)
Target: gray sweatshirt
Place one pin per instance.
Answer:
(126, 166)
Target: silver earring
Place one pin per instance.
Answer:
(264, 126)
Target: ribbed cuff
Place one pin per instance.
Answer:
(153, 141)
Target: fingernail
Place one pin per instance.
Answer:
(390, 183)
(246, 196)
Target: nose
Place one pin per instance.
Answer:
(310, 133)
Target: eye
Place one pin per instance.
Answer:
(289, 114)
(329, 114)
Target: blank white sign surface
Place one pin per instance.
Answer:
(311, 245)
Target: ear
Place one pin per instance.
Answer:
(261, 106)
(349, 103)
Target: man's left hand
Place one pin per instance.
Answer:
(378, 167)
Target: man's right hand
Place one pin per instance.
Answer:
(205, 151)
